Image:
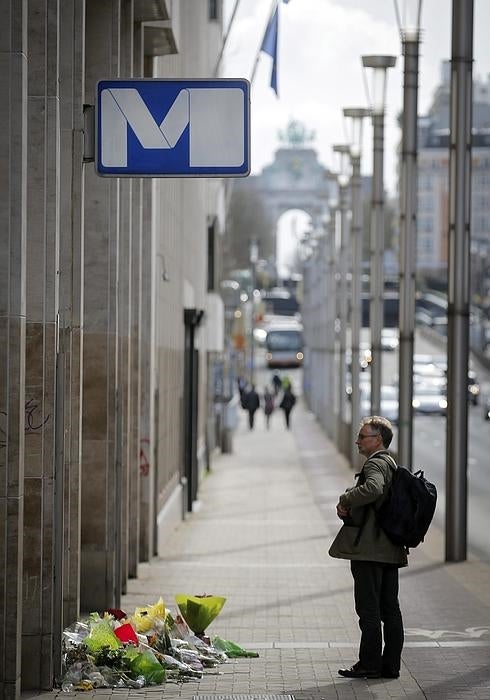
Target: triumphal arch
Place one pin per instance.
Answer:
(295, 179)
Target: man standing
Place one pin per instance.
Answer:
(375, 560)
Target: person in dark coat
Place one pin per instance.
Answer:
(242, 389)
(287, 402)
(252, 403)
(277, 383)
(268, 406)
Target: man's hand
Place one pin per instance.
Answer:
(342, 512)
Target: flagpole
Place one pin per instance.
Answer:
(225, 38)
(254, 69)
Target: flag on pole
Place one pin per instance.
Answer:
(269, 46)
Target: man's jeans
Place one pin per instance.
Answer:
(376, 600)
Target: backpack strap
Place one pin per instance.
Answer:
(391, 462)
(388, 459)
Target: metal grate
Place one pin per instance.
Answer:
(243, 697)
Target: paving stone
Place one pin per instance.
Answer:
(261, 539)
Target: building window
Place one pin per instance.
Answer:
(481, 223)
(425, 182)
(425, 245)
(424, 225)
(425, 203)
(213, 6)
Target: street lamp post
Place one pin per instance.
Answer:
(377, 100)
(331, 314)
(356, 116)
(254, 257)
(459, 280)
(409, 26)
(342, 151)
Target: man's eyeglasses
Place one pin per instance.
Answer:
(361, 437)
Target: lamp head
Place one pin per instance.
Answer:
(408, 13)
(341, 148)
(378, 62)
(342, 152)
(356, 112)
(356, 116)
(377, 94)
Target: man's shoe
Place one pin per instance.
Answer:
(357, 671)
(389, 674)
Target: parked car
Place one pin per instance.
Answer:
(427, 359)
(364, 355)
(428, 371)
(364, 383)
(473, 388)
(436, 321)
(389, 339)
(434, 367)
(429, 398)
(486, 408)
(389, 401)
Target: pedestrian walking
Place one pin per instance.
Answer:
(252, 403)
(268, 406)
(242, 390)
(287, 402)
(277, 383)
(374, 559)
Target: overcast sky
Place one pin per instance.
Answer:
(319, 67)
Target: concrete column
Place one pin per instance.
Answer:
(135, 379)
(124, 308)
(42, 307)
(101, 423)
(71, 93)
(147, 462)
(13, 169)
(148, 396)
(134, 382)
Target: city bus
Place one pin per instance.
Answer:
(284, 344)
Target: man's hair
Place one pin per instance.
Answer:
(382, 426)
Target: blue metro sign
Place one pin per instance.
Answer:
(173, 128)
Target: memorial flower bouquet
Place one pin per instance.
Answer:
(199, 611)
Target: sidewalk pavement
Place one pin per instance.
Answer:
(261, 538)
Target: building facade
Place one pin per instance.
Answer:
(109, 322)
(433, 183)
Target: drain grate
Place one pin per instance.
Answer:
(243, 697)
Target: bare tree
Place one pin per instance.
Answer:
(247, 219)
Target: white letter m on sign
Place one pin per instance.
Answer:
(215, 117)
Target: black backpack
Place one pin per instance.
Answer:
(408, 509)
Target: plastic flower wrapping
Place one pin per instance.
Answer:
(149, 647)
(199, 611)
